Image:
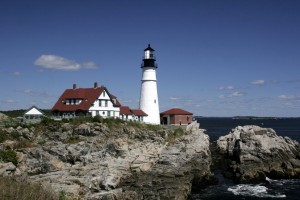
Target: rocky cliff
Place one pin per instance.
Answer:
(96, 161)
(252, 153)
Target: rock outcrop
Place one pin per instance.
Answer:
(3, 117)
(92, 161)
(252, 153)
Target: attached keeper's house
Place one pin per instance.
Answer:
(176, 116)
(95, 101)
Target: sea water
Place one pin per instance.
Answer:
(271, 189)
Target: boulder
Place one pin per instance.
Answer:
(253, 153)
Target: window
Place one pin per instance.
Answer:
(104, 93)
(106, 103)
(99, 103)
(154, 100)
(108, 113)
(103, 113)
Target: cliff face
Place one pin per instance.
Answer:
(253, 153)
(93, 162)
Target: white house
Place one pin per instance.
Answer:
(33, 115)
(96, 101)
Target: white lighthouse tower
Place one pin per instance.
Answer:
(149, 97)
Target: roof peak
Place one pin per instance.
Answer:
(149, 48)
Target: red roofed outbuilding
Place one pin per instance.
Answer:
(176, 116)
(132, 114)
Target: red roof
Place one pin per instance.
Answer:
(176, 111)
(125, 110)
(87, 95)
(138, 112)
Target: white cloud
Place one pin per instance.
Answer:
(16, 73)
(226, 87)
(56, 63)
(174, 98)
(30, 92)
(289, 97)
(222, 96)
(60, 63)
(258, 82)
(236, 94)
(90, 65)
(8, 101)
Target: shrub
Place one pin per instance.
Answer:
(3, 136)
(73, 140)
(176, 134)
(25, 144)
(12, 189)
(15, 135)
(8, 156)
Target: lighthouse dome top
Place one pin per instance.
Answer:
(149, 48)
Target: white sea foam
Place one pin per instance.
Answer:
(253, 190)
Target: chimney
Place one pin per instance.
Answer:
(95, 85)
(74, 86)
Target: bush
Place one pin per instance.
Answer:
(176, 134)
(3, 136)
(12, 189)
(73, 140)
(9, 156)
(25, 144)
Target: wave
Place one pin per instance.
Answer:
(254, 191)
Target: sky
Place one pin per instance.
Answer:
(215, 57)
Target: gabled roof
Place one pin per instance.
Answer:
(176, 111)
(87, 95)
(33, 110)
(125, 110)
(138, 112)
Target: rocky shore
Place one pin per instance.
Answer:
(108, 161)
(91, 161)
(252, 153)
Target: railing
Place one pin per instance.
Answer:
(142, 65)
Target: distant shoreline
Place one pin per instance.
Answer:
(249, 117)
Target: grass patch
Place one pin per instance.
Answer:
(176, 134)
(8, 156)
(12, 190)
(73, 140)
(3, 136)
(25, 144)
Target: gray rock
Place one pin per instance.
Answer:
(259, 152)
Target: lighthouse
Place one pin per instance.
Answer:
(149, 97)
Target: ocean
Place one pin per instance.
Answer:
(226, 189)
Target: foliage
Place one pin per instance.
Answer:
(12, 189)
(25, 144)
(63, 195)
(176, 134)
(74, 139)
(3, 136)
(8, 156)
(112, 123)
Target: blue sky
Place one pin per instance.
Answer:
(215, 57)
